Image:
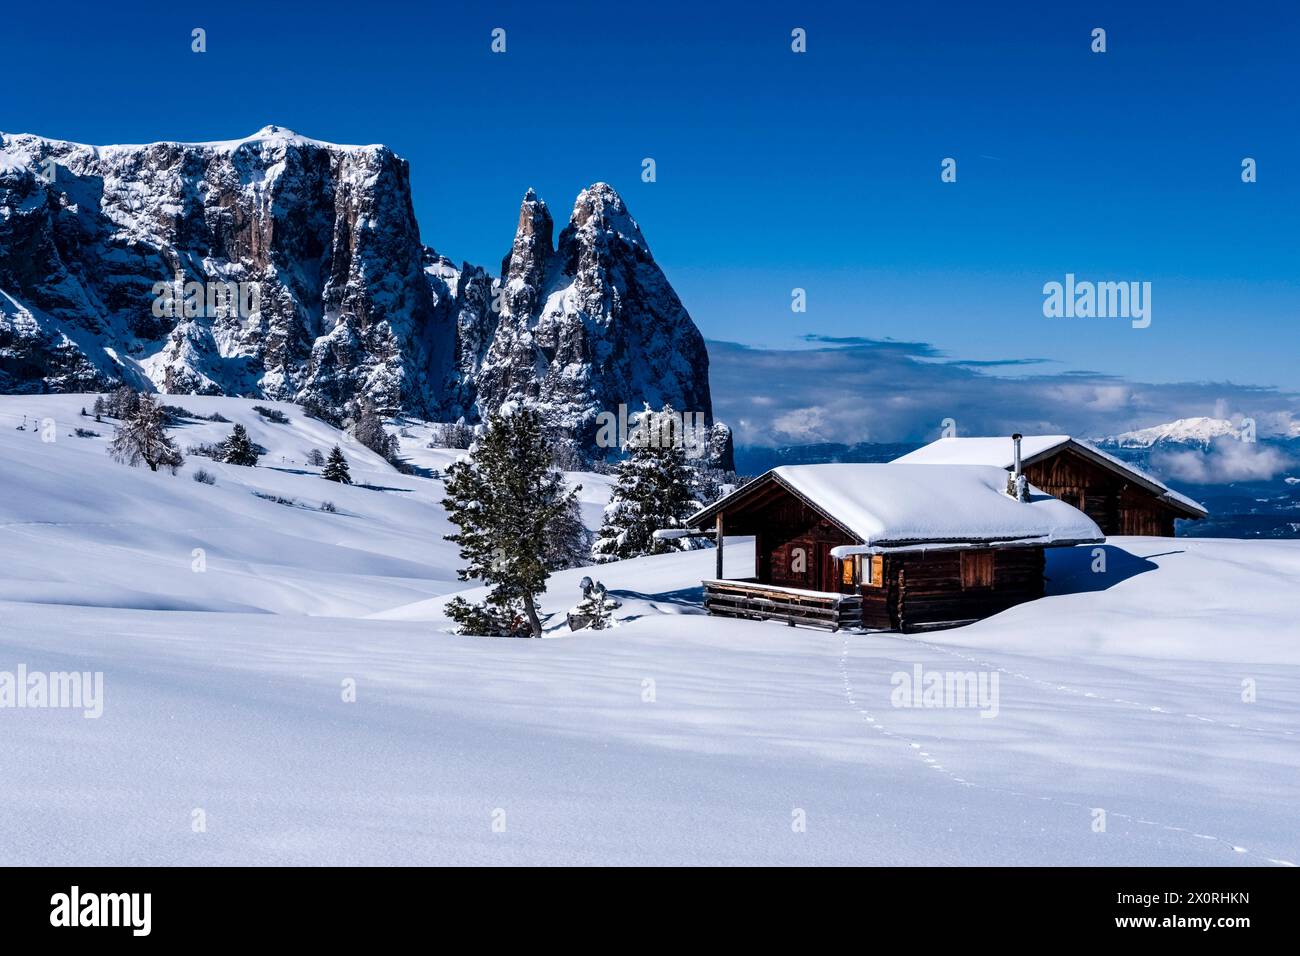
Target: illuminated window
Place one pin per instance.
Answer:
(871, 568)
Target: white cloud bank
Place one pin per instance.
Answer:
(1226, 460)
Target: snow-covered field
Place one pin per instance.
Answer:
(673, 738)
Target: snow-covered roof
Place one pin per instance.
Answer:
(891, 505)
(981, 451)
(998, 452)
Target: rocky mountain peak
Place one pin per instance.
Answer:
(598, 331)
(531, 251)
(600, 217)
(351, 307)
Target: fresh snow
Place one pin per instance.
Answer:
(889, 504)
(998, 452)
(270, 135)
(995, 451)
(1200, 430)
(673, 738)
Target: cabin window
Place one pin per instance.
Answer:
(871, 570)
(977, 569)
(846, 572)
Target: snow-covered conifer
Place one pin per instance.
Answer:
(507, 501)
(142, 437)
(238, 449)
(652, 491)
(570, 540)
(369, 432)
(336, 468)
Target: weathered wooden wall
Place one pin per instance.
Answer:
(789, 524)
(1117, 506)
(926, 588)
(781, 522)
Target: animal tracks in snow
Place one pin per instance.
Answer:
(1091, 695)
(928, 759)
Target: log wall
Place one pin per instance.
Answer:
(925, 589)
(1118, 506)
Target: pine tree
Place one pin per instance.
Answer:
(652, 491)
(142, 437)
(506, 499)
(336, 468)
(570, 540)
(369, 431)
(238, 449)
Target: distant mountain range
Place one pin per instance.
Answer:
(1251, 493)
(1185, 431)
(1252, 489)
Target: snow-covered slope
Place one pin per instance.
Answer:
(135, 532)
(672, 738)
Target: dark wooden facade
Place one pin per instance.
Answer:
(903, 590)
(1114, 499)
(926, 589)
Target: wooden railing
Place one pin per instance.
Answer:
(747, 598)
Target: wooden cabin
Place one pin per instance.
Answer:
(886, 546)
(1122, 499)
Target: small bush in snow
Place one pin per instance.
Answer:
(595, 610)
(272, 414)
(315, 458)
(322, 413)
(453, 435)
(206, 449)
(85, 433)
(328, 506)
(175, 414)
(205, 477)
(120, 403)
(278, 499)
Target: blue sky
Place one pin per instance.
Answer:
(777, 170)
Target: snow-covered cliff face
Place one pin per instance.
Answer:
(350, 305)
(591, 324)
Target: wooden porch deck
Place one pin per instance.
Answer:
(746, 598)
